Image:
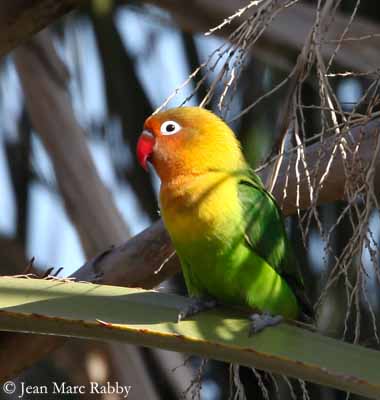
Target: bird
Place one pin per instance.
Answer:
(226, 228)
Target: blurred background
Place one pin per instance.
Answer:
(124, 59)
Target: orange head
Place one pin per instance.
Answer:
(188, 141)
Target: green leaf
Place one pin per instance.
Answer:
(148, 318)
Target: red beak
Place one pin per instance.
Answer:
(144, 149)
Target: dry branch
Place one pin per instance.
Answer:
(286, 33)
(20, 19)
(360, 145)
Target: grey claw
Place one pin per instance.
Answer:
(182, 315)
(196, 306)
(261, 321)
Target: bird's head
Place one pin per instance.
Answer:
(188, 141)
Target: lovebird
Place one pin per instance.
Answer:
(227, 230)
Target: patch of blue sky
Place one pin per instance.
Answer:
(41, 162)
(7, 200)
(130, 208)
(122, 155)
(370, 264)
(349, 91)
(207, 44)
(52, 239)
(216, 47)
(101, 157)
(161, 65)
(124, 197)
(11, 104)
(81, 56)
(316, 253)
(210, 390)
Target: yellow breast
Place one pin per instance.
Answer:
(204, 206)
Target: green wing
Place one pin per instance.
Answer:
(266, 234)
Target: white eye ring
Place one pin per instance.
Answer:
(170, 128)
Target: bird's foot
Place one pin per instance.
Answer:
(261, 321)
(197, 305)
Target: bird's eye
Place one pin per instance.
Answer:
(170, 128)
